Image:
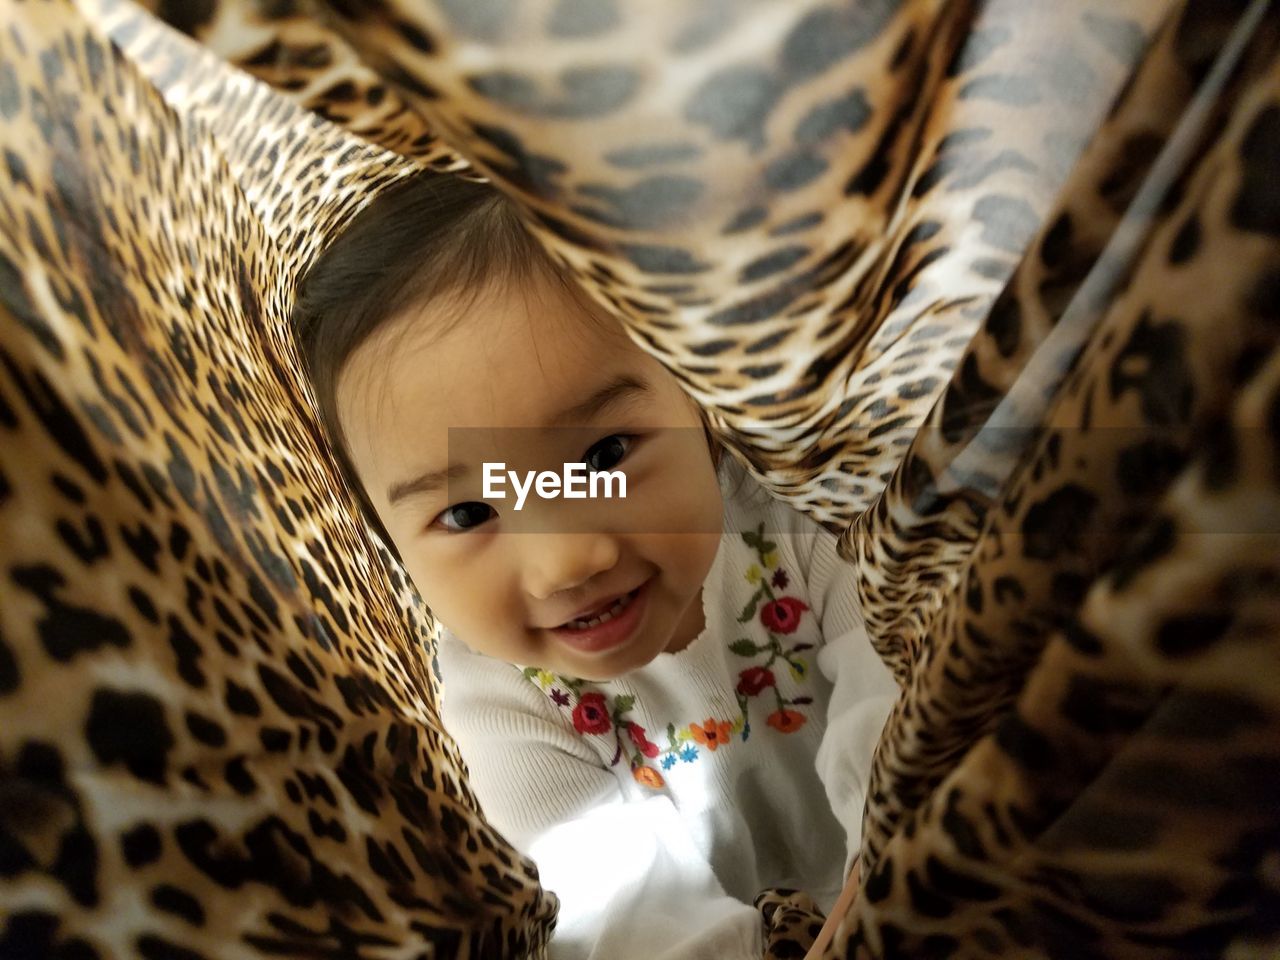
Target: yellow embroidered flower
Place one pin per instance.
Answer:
(771, 559)
(754, 574)
(545, 678)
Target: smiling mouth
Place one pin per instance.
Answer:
(614, 609)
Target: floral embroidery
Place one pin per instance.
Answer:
(642, 742)
(649, 777)
(754, 679)
(782, 616)
(712, 733)
(786, 721)
(779, 616)
(591, 715)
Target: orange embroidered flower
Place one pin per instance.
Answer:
(786, 721)
(713, 733)
(648, 777)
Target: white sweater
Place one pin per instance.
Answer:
(658, 805)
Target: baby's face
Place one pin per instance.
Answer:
(590, 588)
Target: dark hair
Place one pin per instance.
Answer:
(428, 235)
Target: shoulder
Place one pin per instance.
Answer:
(490, 705)
(528, 767)
(472, 680)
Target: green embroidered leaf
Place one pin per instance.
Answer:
(623, 703)
(530, 672)
(745, 648)
(768, 546)
(749, 610)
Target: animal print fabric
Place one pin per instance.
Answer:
(991, 289)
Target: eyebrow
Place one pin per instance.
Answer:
(614, 393)
(428, 482)
(617, 391)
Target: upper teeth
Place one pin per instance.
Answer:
(618, 606)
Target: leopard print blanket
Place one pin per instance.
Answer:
(991, 289)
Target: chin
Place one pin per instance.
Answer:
(592, 672)
(602, 671)
(592, 676)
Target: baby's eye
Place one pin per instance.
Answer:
(463, 516)
(608, 453)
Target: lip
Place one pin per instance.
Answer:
(610, 634)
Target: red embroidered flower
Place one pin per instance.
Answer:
(754, 679)
(591, 715)
(642, 742)
(786, 721)
(712, 733)
(649, 777)
(782, 616)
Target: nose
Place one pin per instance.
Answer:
(556, 562)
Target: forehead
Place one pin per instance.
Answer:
(509, 357)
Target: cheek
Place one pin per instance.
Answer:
(701, 510)
(685, 559)
(466, 601)
(685, 491)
